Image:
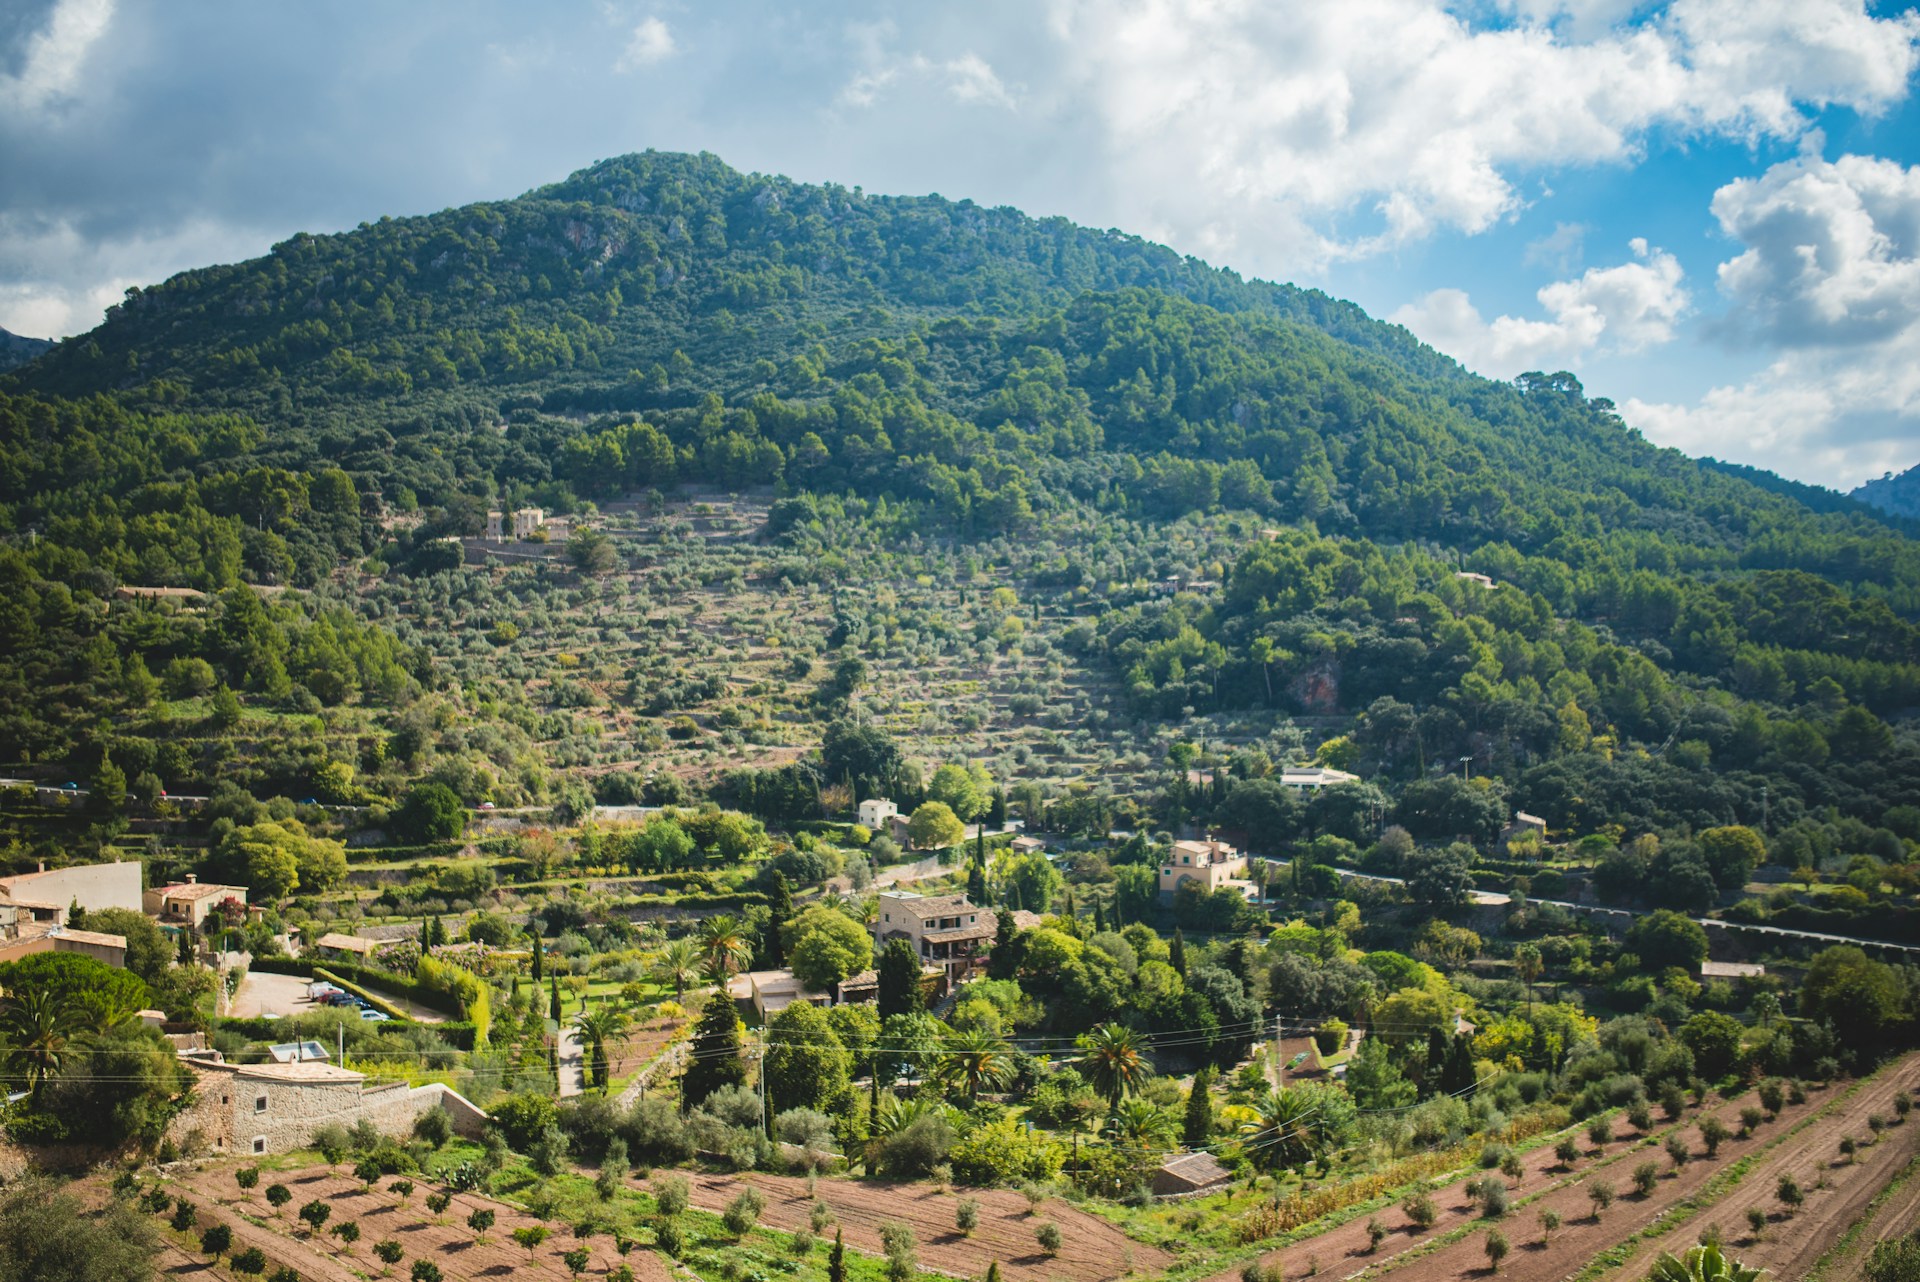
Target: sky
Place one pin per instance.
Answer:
(1708, 210)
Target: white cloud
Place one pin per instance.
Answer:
(1251, 126)
(967, 78)
(53, 58)
(1621, 309)
(1833, 250)
(650, 43)
(55, 280)
(1830, 276)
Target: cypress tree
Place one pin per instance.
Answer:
(899, 979)
(837, 1258)
(553, 1004)
(1458, 1078)
(538, 968)
(977, 882)
(1177, 953)
(1099, 918)
(1199, 1125)
(1436, 1063)
(715, 1061)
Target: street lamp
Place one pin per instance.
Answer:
(1464, 763)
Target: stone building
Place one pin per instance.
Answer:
(1210, 865)
(948, 931)
(274, 1108)
(189, 903)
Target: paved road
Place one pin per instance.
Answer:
(573, 1062)
(1710, 923)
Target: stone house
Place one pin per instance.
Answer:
(1189, 1175)
(274, 1108)
(1523, 823)
(948, 931)
(189, 903)
(1211, 865)
(876, 811)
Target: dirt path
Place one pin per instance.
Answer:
(1900, 1215)
(1092, 1250)
(1344, 1251)
(1790, 1246)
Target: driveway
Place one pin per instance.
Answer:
(264, 994)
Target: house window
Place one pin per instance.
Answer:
(223, 1101)
(259, 1143)
(259, 1103)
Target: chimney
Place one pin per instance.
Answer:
(192, 878)
(43, 865)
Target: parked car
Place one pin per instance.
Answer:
(373, 1016)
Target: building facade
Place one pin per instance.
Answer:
(1210, 865)
(948, 931)
(189, 903)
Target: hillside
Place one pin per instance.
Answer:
(16, 350)
(1055, 499)
(1895, 495)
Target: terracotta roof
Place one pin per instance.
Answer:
(346, 943)
(196, 890)
(95, 937)
(1025, 920)
(931, 905)
(981, 931)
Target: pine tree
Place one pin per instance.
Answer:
(715, 1060)
(1199, 1126)
(1177, 953)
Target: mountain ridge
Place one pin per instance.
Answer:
(17, 349)
(661, 316)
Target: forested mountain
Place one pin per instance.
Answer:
(925, 369)
(1896, 495)
(17, 350)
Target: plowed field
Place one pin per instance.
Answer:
(1091, 1249)
(1343, 1252)
(324, 1258)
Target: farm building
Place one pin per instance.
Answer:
(1189, 1175)
(274, 1108)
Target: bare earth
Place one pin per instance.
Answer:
(1790, 1246)
(1091, 1249)
(1343, 1251)
(450, 1245)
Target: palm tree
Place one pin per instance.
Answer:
(1282, 1133)
(1701, 1264)
(1528, 964)
(1115, 1062)
(972, 1058)
(607, 1023)
(724, 942)
(678, 964)
(1138, 1124)
(35, 1021)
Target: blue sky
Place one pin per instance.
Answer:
(1708, 209)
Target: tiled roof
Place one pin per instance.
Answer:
(194, 890)
(1197, 1169)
